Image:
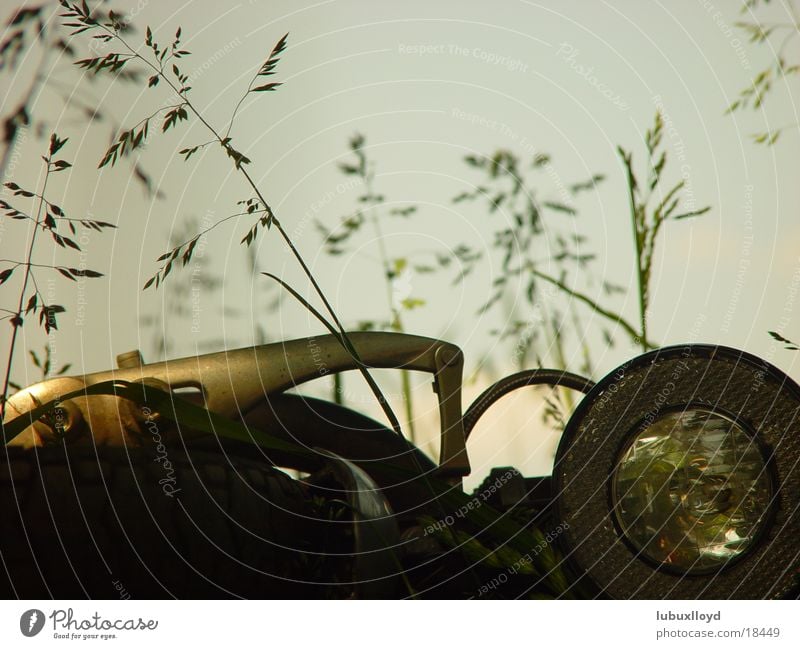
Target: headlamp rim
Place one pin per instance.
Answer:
(592, 546)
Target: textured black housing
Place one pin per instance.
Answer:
(758, 395)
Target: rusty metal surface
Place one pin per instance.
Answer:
(230, 383)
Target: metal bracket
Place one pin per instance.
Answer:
(230, 383)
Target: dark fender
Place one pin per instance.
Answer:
(316, 423)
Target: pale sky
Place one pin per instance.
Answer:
(428, 83)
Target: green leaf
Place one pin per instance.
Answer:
(266, 87)
(70, 243)
(56, 144)
(734, 106)
(269, 66)
(496, 202)
(475, 161)
(24, 14)
(789, 344)
(403, 211)
(126, 142)
(187, 254)
(560, 207)
(412, 303)
(238, 158)
(587, 185)
(687, 215)
(170, 119)
(47, 316)
(85, 272)
(357, 142)
(540, 159)
(189, 152)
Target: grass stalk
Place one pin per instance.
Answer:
(16, 320)
(239, 162)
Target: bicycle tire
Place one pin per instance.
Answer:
(86, 522)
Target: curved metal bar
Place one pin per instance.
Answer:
(233, 382)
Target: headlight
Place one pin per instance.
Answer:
(679, 477)
(691, 490)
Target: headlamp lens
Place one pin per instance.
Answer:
(691, 490)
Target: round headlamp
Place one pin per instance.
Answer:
(678, 477)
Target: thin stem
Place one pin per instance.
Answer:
(383, 257)
(786, 127)
(284, 235)
(794, 13)
(639, 271)
(786, 40)
(26, 263)
(635, 335)
(216, 225)
(239, 105)
(561, 360)
(585, 351)
(341, 337)
(27, 276)
(397, 322)
(27, 100)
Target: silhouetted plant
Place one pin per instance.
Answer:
(180, 302)
(34, 32)
(783, 34)
(43, 217)
(510, 189)
(370, 212)
(769, 33)
(788, 344)
(45, 366)
(650, 209)
(523, 248)
(529, 239)
(162, 66)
